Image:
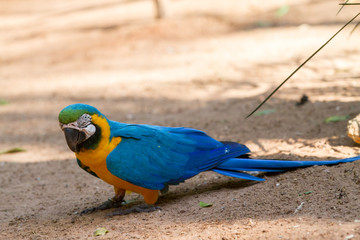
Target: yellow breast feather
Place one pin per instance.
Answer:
(95, 159)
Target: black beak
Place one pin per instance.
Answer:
(73, 138)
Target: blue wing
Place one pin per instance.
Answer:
(154, 157)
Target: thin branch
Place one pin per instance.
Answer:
(346, 3)
(357, 25)
(343, 5)
(268, 97)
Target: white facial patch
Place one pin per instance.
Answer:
(83, 124)
(84, 120)
(89, 130)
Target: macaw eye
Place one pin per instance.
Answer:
(84, 120)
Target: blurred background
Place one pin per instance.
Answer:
(203, 64)
(119, 57)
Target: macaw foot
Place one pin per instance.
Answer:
(110, 203)
(114, 202)
(135, 209)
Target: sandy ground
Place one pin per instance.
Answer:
(206, 66)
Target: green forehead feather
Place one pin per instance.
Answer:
(72, 112)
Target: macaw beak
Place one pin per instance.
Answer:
(73, 138)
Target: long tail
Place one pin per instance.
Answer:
(234, 165)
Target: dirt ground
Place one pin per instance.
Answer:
(205, 66)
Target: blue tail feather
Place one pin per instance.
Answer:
(231, 166)
(251, 169)
(238, 175)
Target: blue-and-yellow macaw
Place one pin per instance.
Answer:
(145, 158)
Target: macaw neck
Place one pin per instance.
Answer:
(95, 150)
(93, 141)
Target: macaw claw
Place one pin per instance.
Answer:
(135, 209)
(110, 203)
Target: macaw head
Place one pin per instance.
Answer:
(77, 123)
